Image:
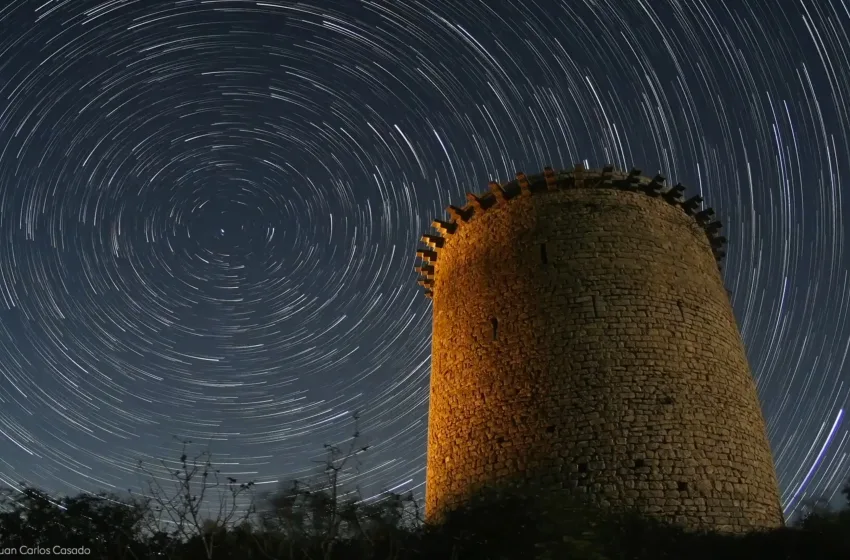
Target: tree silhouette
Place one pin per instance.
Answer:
(178, 509)
(194, 513)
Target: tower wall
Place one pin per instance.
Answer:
(582, 332)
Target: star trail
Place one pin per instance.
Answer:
(209, 210)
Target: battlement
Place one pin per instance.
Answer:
(551, 180)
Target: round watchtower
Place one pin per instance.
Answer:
(582, 333)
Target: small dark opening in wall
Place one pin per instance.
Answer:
(550, 429)
(495, 324)
(582, 467)
(500, 439)
(543, 257)
(683, 487)
(639, 463)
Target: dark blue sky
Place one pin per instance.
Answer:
(322, 138)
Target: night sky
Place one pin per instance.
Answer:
(209, 210)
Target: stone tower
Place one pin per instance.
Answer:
(582, 330)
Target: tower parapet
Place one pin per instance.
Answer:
(576, 178)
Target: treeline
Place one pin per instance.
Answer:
(197, 514)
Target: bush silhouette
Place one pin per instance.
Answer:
(203, 515)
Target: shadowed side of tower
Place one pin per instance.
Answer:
(582, 332)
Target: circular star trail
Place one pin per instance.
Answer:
(209, 210)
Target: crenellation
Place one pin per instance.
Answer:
(692, 204)
(713, 227)
(522, 180)
(551, 181)
(551, 178)
(705, 216)
(497, 192)
(458, 214)
(434, 241)
(633, 180)
(653, 188)
(474, 202)
(585, 333)
(427, 255)
(718, 241)
(445, 228)
(424, 269)
(578, 176)
(674, 195)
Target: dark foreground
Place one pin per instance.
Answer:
(305, 525)
(190, 511)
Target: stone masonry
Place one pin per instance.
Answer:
(582, 330)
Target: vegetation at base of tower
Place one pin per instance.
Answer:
(195, 513)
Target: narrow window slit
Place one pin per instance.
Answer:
(495, 324)
(543, 257)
